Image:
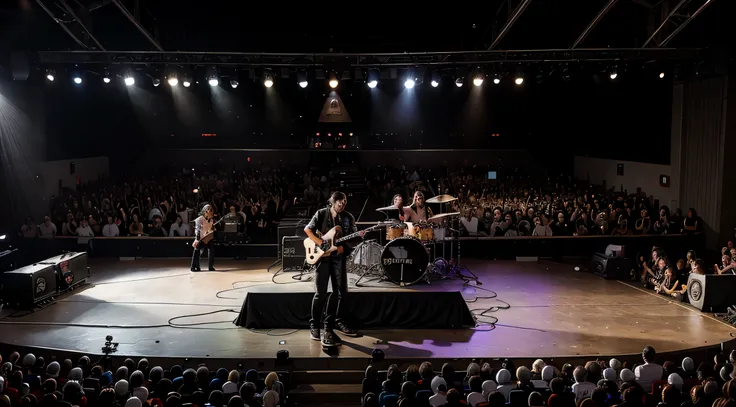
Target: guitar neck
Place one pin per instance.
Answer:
(353, 235)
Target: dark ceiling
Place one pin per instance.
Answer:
(187, 25)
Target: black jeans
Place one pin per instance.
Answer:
(198, 253)
(330, 269)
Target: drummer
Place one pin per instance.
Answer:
(418, 211)
(398, 202)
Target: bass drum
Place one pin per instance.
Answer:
(365, 256)
(404, 260)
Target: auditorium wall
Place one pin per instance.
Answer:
(635, 175)
(83, 170)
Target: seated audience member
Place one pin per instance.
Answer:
(47, 229)
(535, 399)
(426, 371)
(84, 230)
(454, 398)
(726, 266)
(489, 386)
(448, 373)
(496, 399)
(581, 389)
(540, 229)
(670, 286)
(524, 376)
(110, 229)
(650, 371)
(476, 391)
(178, 228)
(503, 378)
(407, 397)
(537, 367)
(439, 388)
(670, 397)
(392, 384)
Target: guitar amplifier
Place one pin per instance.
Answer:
(71, 268)
(292, 253)
(711, 292)
(29, 285)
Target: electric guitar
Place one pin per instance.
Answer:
(330, 240)
(206, 237)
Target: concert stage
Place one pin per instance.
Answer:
(158, 309)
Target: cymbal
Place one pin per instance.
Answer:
(388, 208)
(444, 215)
(441, 199)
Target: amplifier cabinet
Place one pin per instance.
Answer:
(29, 285)
(72, 269)
(292, 253)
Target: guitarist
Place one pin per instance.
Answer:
(331, 269)
(202, 227)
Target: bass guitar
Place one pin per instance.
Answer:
(330, 240)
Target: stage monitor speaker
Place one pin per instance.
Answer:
(292, 253)
(72, 269)
(613, 250)
(610, 268)
(29, 285)
(711, 292)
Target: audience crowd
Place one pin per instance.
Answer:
(31, 381)
(597, 384)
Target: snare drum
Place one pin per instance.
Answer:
(395, 231)
(365, 256)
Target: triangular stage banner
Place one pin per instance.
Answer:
(334, 110)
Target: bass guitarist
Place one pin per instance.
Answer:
(203, 233)
(331, 268)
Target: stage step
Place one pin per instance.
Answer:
(300, 377)
(321, 394)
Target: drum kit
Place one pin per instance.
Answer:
(408, 253)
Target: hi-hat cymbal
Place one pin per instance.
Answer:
(441, 199)
(444, 215)
(388, 208)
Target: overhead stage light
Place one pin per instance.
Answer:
(478, 80)
(496, 80)
(156, 82)
(333, 81)
(301, 78)
(459, 82)
(268, 79)
(77, 79)
(661, 75)
(234, 83)
(519, 80)
(213, 82)
(212, 77)
(373, 76)
(106, 76)
(434, 83)
(50, 75)
(128, 79)
(613, 74)
(186, 83)
(173, 80)
(106, 79)
(409, 83)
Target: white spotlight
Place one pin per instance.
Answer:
(496, 81)
(50, 75)
(613, 75)
(303, 84)
(434, 83)
(78, 80)
(333, 83)
(478, 81)
(129, 81)
(186, 83)
(372, 84)
(156, 82)
(459, 82)
(213, 82)
(268, 82)
(661, 75)
(409, 83)
(234, 84)
(106, 79)
(2, 237)
(519, 80)
(173, 81)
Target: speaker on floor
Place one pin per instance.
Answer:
(610, 267)
(711, 292)
(292, 253)
(72, 269)
(29, 285)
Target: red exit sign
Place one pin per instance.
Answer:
(209, 134)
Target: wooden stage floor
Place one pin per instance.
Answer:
(554, 312)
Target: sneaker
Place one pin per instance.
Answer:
(328, 339)
(342, 327)
(314, 333)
